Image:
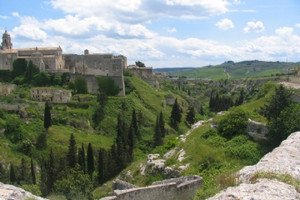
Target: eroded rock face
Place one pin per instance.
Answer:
(263, 189)
(14, 193)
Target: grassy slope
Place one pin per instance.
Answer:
(244, 69)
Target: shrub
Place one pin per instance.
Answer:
(233, 123)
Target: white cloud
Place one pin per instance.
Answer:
(171, 30)
(284, 31)
(29, 32)
(237, 2)
(3, 17)
(225, 24)
(297, 25)
(15, 14)
(254, 27)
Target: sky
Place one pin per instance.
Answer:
(160, 33)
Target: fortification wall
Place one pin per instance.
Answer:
(173, 189)
(6, 60)
(50, 94)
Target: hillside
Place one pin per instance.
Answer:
(245, 69)
(23, 136)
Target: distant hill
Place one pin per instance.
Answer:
(172, 69)
(242, 69)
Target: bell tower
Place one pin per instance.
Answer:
(6, 41)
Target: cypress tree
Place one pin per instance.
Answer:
(23, 170)
(157, 135)
(43, 182)
(90, 160)
(130, 143)
(175, 114)
(47, 116)
(162, 124)
(83, 158)
(134, 125)
(190, 117)
(12, 174)
(3, 177)
(33, 178)
(101, 166)
(50, 172)
(120, 159)
(72, 152)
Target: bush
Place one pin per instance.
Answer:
(233, 123)
(107, 86)
(81, 85)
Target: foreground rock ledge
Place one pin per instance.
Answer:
(10, 192)
(284, 159)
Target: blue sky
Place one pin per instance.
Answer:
(160, 33)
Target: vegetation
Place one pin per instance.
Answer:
(80, 85)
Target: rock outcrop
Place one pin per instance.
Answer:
(284, 159)
(11, 192)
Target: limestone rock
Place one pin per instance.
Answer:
(122, 185)
(284, 159)
(257, 130)
(14, 193)
(264, 189)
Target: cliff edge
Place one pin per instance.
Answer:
(283, 161)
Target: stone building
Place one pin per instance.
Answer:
(50, 94)
(53, 60)
(144, 73)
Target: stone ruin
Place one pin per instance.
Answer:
(7, 89)
(50, 94)
(171, 189)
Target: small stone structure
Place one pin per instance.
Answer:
(257, 130)
(144, 73)
(183, 188)
(7, 89)
(50, 94)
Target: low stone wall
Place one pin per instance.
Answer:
(7, 89)
(50, 94)
(183, 188)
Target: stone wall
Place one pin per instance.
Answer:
(173, 189)
(50, 94)
(7, 89)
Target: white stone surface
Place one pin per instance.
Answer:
(264, 189)
(284, 159)
(10, 192)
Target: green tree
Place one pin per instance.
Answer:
(190, 117)
(286, 123)
(76, 185)
(175, 115)
(90, 160)
(41, 141)
(81, 85)
(107, 86)
(23, 171)
(240, 99)
(72, 152)
(140, 64)
(12, 174)
(81, 158)
(51, 175)
(157, 134)
(131, 143)
(42, 79)
(279, 101)
(101, 166)
(19, 67)
(47, 116)
(33, 178)
(162, 124)
(3, 174)
(31, 71)
(233, 123)
(44, 181)
(134, 125)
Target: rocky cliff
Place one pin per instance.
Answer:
(283, 161)
(10, 192)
